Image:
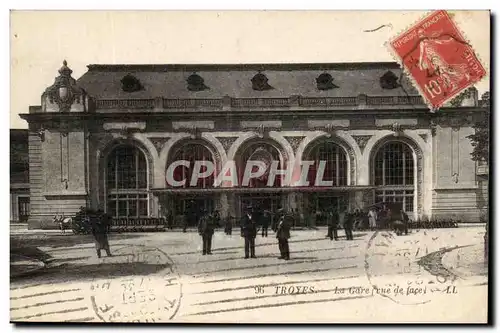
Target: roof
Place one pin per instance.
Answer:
(170, 81)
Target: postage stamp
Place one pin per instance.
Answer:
(438, 58)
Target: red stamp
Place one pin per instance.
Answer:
(438, 58)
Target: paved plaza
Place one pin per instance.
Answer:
(436, 275)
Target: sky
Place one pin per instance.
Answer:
(41, 40)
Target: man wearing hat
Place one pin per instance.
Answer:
(249, 232)
(266, 221)
(283, 234)
(206, 229)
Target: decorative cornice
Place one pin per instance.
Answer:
(398, 128)
(125, 130)
(194, 132)
(40, 133)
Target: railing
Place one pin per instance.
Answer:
(380, 100)
(255, 102)
(138, 224)
(244, 102)
(191, 103)
(125, 103)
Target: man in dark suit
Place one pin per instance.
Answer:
(266, 221)
(229, 225)
(406, 220)
(101, 225)
(249, 232)
(348, 225)
(283, 234)
(332, 220)
(206, 229)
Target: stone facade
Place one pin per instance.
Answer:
(69, 140)
(19, 176)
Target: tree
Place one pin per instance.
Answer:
(480, 140)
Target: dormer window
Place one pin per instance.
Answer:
(131, 84)
(196, 83)
(389, 81)
(325, 82)
(260, 82)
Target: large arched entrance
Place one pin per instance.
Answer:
(332, 158)
(393, 174)
(191, 201)
(267, 153)
(126, 179)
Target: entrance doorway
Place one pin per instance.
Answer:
(260, 202)
(317, 205)
(191, 208)
(23, 209)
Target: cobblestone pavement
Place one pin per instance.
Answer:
(428, 275)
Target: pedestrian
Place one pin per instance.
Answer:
(249, 232)
(283, 234)
(356, 220)
(329, 223)
(332, 221)
(206, 229)
(348, 225)
(335, 218)
(229, 225)
(341, 218)
(405, 219)
(372, 218)
(216, 219)
(170, 220)
(266, 221)
(101, 225)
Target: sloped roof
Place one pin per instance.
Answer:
(169, 81)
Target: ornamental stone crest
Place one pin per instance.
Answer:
(64, 92)
(424, 137)
(227, 141)
(159, 143)
(295, 141)
(361, 140)
(260, 82)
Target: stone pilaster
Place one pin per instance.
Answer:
(223, 205)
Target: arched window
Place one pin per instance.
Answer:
(127, 184)
(394, 173)
(262, 152)
(191, 207)
(334, 159)
(193, 152)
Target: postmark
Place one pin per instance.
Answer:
(395, 270)
(438, 58)
(149, 290)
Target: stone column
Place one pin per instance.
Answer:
(223, 205)
(154, 206)
(292, 201)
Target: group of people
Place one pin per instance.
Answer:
(250, 223)
(355, 220)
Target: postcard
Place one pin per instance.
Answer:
(249, 167)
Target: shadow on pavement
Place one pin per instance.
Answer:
(59, 240)
(20, 253)
(79, 273)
